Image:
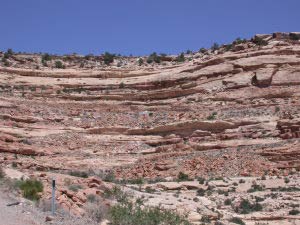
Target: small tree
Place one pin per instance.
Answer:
(46, 57)
(140, 61)
(215, 46)
(180, 58)
(108, 58)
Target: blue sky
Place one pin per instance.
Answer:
(138, 27)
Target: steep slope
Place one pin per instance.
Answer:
(229, 112)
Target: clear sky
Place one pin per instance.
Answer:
(138, 27)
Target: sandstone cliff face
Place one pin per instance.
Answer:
(224, 113)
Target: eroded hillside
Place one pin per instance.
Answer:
(232, 112)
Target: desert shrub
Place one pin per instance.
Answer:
(259, 41)
(294, 37)
(255, 187)
(96, 211)
(201, 180)
(115, 193)
(153, 58)
(30, 188)
(237, 221)
(215, 46)
(180, 58)
(239, 41)
(294, 212)
(149, 190)
(140, 61)
(59, 64)
(286, 189)
(212, 116)
(79, 174)
(129, 213)
(241, 181)
(91, 198)
(138, 180)
(46, 57)
(121, 85)
(200, 192)
(109, 177)
(108, 58)
(227, 201)
(259, 199)
(75, 187)
(286, 180)
(182, 177)
(2, 174)
(8, 53)
(246, 207)
(203, 50)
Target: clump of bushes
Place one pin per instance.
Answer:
(79, 174)
(30, 188)
(130, 213)
(259, 41)
(153, 58)
(246, 207)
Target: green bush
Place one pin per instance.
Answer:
(201, 180)
(46, 57)
(180, 58)
(121, 85)
(108, 58)
(8, 53)
(294, 212)
(140, 61)
(79, 174)
(182, 177)
(59, 65)
(294, 37)
(30, 188)
(128, 213)
(212, 116)
(259, 41)
(246, 207)
(2, 174)
(227, 201)
(237, 221)
(255, 187)
(215, 47)
(153, 58)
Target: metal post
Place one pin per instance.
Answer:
(53, 197)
